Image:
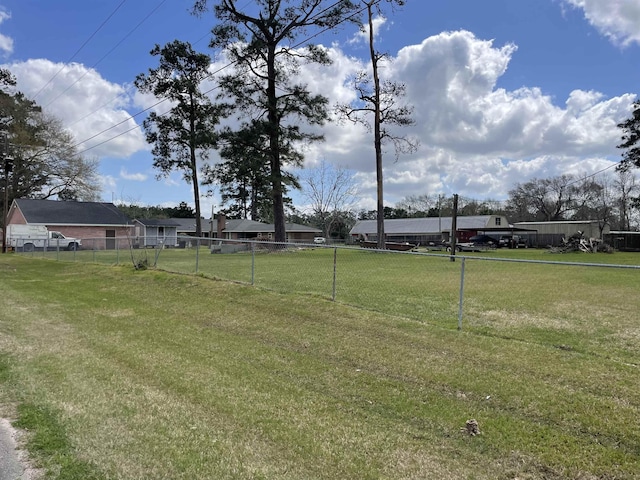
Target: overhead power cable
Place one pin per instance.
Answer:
(117, 96)
(108, 53)
(355, 14)
(79, 49)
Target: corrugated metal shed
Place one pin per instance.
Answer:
(429, 225)
(589, 228)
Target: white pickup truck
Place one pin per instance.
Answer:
(27, 238)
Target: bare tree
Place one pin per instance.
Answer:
(420, 205)
(379, 99)
(544, 199)
(46, 163)
(627, 190)
(330, 191)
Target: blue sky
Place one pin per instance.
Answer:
(503, 90)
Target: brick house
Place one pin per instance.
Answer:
(244, 229)
(99, 225)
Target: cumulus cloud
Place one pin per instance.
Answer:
(92, 108)
(619, 20)
(6, 43)
(476, 139)
(362, 36)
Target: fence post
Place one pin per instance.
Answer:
(335, 264)
(461, 294)
(117, 252)
(197, 253)
(253, 262)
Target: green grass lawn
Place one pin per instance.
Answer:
(130, 374)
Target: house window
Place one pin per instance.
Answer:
(498, 220)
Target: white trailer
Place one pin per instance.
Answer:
(27, 238)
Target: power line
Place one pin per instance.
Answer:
(209, 76)
(117, 96)
(592, 174)
(108, 53)
(79, 49)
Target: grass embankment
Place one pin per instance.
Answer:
(155, 375)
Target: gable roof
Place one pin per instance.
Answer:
(55, 212)
(251, 226)
(416, 226)
(156, 222)
(188, 225)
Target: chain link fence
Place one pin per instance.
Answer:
(495, 295)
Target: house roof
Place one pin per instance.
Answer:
(188, 225)
(55, 212)
(558, 222)
(251, 226)
(157, 222)
(417, 226)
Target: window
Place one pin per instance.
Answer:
(498, 220)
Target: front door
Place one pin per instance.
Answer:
(111, 240)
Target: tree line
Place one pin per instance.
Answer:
(611, 199)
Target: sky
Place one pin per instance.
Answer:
(503, 91)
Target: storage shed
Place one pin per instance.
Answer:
(552, 233)
(429, 229)
(624, 241)
(153, 233)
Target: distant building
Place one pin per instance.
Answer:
(431, 229)
(251, 230)
(543, 234)
(155, 233)
(624, 241)
(99, 225)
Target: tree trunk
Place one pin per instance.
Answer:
(194, 169)
(274, 149)
(377, 136)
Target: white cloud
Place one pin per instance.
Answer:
(108, 183)
(92, 108)
(137, 177)
(362, 36)
(6, 43)
(476, 139)
(619, 20)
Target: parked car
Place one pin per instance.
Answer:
(476, 243)
(319, 240)
(483, 241)
(513, 241)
